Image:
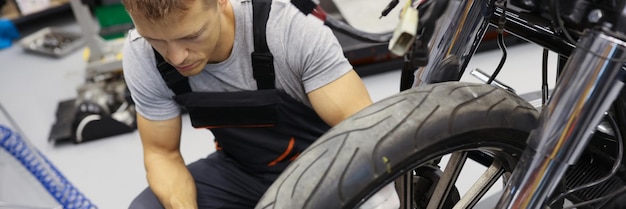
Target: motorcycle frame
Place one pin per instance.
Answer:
(591, 81)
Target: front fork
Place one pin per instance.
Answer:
(451, 50)
(591, 81)
(452, 46)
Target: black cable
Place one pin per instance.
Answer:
(502, 47)
(556, 15)
(389, 7)
(345, 28)
(618, 162)
(544, 78)
(501, 43)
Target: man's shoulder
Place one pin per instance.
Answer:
(137, 45)
(137, 53)
(133, 35)
(134, 38)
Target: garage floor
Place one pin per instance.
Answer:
(110, 171)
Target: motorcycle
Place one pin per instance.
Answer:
(566, 152)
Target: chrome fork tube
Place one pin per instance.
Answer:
(467, 22)
(590, 83)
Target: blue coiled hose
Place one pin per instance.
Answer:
(49, 176)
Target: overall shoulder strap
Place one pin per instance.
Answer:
(305, 6)
(174, 80)
(262, 59)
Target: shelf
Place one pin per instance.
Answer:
(11, 12)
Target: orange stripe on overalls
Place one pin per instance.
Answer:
(292, 141)
(217, 146)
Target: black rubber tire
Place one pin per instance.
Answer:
(372, 148)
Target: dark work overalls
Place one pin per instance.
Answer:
(257, 133)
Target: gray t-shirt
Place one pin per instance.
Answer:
(306, 54)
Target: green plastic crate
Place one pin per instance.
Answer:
(114, 21)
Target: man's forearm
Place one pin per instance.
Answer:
(171, 182)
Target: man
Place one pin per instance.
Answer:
(261, 117)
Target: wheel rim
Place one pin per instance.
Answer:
(504, 158)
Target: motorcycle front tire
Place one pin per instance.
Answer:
(367, 151)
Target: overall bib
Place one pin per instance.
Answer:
(257, 133)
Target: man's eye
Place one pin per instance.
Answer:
(192, 37)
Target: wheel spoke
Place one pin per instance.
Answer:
(447, 180)
(482, 185)
(404, 185)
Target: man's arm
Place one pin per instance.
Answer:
(340, 99)
(167, 174)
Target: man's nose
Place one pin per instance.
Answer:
(176, 54)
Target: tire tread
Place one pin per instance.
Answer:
(399, 128)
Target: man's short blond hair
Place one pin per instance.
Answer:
(159, 9)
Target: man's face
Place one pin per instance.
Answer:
(186, 40)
